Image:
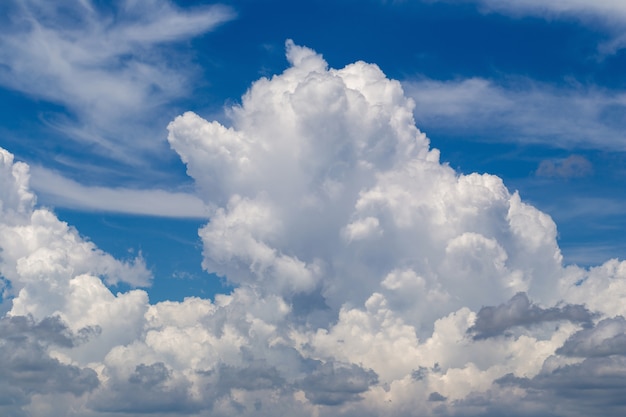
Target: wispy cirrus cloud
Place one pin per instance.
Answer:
(613, 9)
(607, 14)
(59, 191)
(112, 68)
(522, 111)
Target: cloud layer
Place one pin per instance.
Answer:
(370, 278)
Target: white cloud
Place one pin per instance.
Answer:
(364, 271)
(53, 189)
(53, 272)
(528, 111)
(110, 67)
(325, 167)
(608, 14)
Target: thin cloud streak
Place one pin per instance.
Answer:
(590, 118)
(112, 70)
(613, 9)
(61, 192)
(607, 14)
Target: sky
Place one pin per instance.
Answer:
(313, 208)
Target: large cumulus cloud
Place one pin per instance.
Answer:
(370, 278)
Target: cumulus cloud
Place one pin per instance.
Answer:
(43, 258)
(607, 338)
(361, 267)
(334, 384)
(26, 367)
(519, 311)
(147, 390)
(577, 389)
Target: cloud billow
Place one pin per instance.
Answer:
(334, 384)
(361, 268)
(606, 338)
(519, 311)
(26, 367)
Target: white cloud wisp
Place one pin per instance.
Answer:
(109, 67)
(62, 192)
(607, 14)
(536, 113)
(371, 279)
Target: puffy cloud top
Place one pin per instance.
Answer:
(323, 180)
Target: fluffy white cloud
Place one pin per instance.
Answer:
(325, 168)
(43, 257)
(371, 279)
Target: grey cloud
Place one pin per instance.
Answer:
(436, 397)
(606, 338)
(150, 375)
(254, 377)
(601, 380)
(335, 384)
(574, 166)
(422, 372)
(519, 311)
(489, 404)
(577, 390)
(26, 368)
(149, 390)
(50, 330)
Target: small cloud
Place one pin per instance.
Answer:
(436, 397)
(337, 383)
(574, 166)
(519, 311)
(184, 275)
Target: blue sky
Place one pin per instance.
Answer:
(531, 93)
